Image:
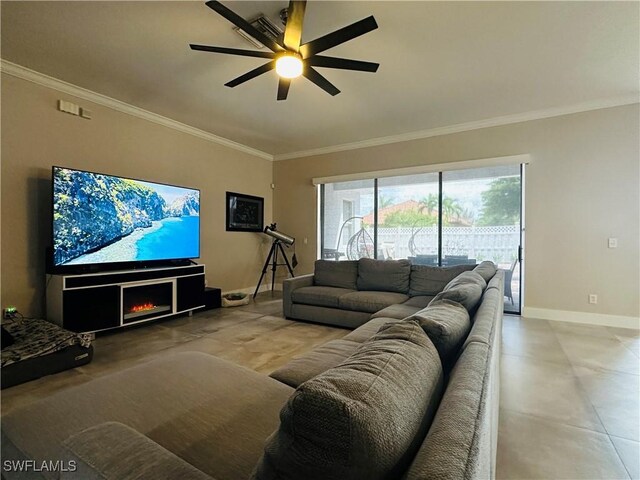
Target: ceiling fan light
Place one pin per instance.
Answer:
(289, 65)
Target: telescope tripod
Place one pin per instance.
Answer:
(272, 259)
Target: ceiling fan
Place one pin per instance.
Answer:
(288, 56)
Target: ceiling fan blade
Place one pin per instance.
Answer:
(320, 81)
(232, 51)
(342, 63)
(293, 29)
(339, 36)
(252, 74)
(283, 88)
(242, 24)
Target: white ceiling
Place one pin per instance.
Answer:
(442, 63)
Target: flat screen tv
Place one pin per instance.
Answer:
(104, 221)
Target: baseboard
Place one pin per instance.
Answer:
(619, 321)
(250, 290)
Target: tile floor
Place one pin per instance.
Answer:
(570, 395)
(569, 401)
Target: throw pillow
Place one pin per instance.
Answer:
(428, 280)
(486, 270)
(342, 274)
(365, 418)
(447, 324)
(384, 275)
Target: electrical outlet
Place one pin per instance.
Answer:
(9, 312)
(593, 298)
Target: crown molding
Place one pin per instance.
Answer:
(24, 73)
(465, 127)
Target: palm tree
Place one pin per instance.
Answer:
(384, 202)
(428, 203)
(450, 209)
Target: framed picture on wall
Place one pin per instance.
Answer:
(245, 213)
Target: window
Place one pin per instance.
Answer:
(446, 218)
(347, 220)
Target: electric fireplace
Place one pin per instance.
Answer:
(140, 302)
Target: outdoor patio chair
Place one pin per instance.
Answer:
(508, 276)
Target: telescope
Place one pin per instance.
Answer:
(279, 238)
(284, 238)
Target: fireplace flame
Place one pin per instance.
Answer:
(142, 307)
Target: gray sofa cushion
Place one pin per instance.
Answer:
(428, 280)
(397, 311)
(420, 301)
(113, 451)
(497, 281)
(384, 275)
(447, 324)
(364, 418)
(343, 274)
(329, 316)
(313, 363)
(467, 294)
(321, 296)
(368, 330)
(486, 270)
(369, 302)
(467, 277)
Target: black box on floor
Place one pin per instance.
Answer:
(212, 298)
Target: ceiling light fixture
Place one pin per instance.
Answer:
(289, 56)
(289, 65)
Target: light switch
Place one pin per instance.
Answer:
(613, 243)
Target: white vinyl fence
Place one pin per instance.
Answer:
(498, 243)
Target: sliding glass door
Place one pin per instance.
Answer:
(481, 221)
(347, 220)
(441, 219)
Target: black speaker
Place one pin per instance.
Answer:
(212, 298)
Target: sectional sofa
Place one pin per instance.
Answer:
(413, 397)
(349, 293)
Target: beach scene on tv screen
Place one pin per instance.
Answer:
(104, 219)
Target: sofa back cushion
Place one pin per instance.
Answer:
(364, 418)
(447, 324)
(486, 270)
(467, 277)
(428, 280)
(342, 274)
(466, 289)
(384, 275)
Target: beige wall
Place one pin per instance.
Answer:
(581, 188)
(36, 136)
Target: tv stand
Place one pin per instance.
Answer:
(102, 301)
